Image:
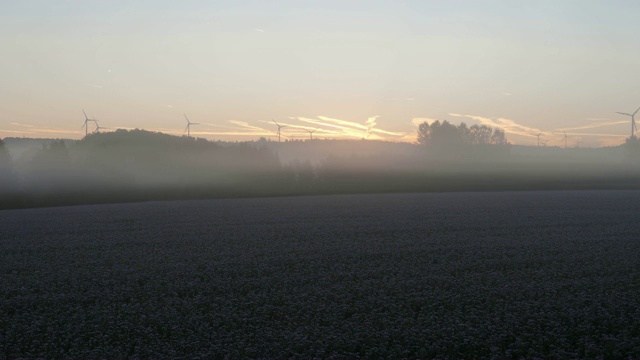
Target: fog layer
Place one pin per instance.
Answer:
(139, 165)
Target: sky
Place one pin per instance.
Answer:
(343, 69)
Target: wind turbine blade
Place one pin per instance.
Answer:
(276, 123)
(85, 114)
(186, 128)
(185, 116)
(623, 113)
(636, 111)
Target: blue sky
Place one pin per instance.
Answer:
(340, 66)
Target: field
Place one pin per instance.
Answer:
(442, 275)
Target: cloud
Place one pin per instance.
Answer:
(380, 131)
(344, 122)
(593, 126)
(350, 128)
(598, 134)
(371, 123)
(509, 126)
(507, 94)
(17, 131)
(22, 125)
(344, 130)
(57, 131)
(251, 128)
(97, 86)
(419, 120)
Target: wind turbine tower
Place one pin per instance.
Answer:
(538, 135)
(634, 128)
(311, 133)
(565, 139)
(85, 124)
(189, 123)
(279, 128)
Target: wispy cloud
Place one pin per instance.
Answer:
(594, 126)
(16, 131)
(57, 131)
(507, 94)
(97, 86)
(343, 130)
(22, 125)
(509, 126)
(350, 128)
(419, 120)
(371, 123)
(344, 122)
(246, 125)
(596, 134)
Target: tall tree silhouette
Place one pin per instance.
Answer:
(447, 141)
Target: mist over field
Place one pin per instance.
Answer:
(138, 165)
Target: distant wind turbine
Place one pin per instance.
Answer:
(85, 124)
(565, 139)
(538, 135)
(189, 123)
(279, 128)
(311, 133)
(634, 128)
(98, 127)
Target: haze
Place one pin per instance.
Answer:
(352, 70)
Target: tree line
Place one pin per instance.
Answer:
(445, 140)
(135, 165)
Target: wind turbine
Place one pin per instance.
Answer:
(85, 124)
(565, 139)
(538, 135)
(311, 133)
(279, 127)
(189, 123)
(633, 120)
(98, 127)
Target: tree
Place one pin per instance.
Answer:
(481, 135)
(499, 137)
(446, 140)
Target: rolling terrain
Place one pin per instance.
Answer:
(547, 274)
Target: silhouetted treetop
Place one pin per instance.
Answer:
(446, 134)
